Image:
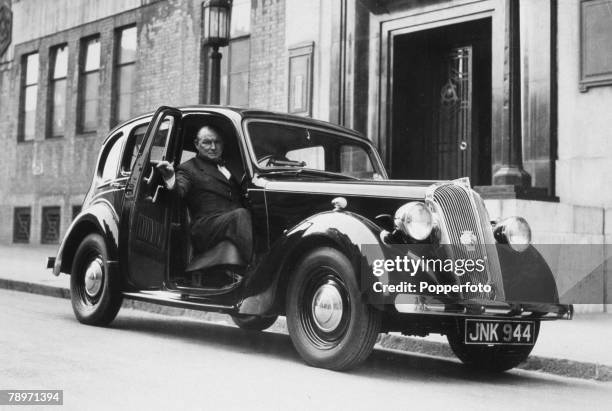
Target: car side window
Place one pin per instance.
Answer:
(133, 147)
(355, 161)
(311, 157)
(110, 160)
(160, 142)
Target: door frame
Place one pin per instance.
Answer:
(430, 18)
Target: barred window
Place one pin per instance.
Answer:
(76, 209)
(57, 90)
(28, 97)
(89, 85)
(50, 225)
(21, 224)
(124, 73)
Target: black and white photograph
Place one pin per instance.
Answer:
(306, 204)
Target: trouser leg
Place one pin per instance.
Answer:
(235, 226)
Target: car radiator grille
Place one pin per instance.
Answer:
(464, 214)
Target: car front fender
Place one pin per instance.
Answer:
(355, 236)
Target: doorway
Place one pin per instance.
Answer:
(441, 113)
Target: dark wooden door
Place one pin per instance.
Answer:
(441, 122)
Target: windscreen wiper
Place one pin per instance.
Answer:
(311, 171)
(290, 163)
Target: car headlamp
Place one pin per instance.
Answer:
(514, 231)
(414, 220)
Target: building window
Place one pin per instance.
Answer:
(89, 85)
(236, 57)
(76, 209)
(50, 225)
(124, 73)
(595, 40)
(57, 91)
(21, 224)
(300, 79)
(28, 97)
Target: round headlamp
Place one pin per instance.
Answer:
(514, 231)
(414, 220)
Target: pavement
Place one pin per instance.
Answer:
(579, 348)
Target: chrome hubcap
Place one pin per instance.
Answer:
(327, 307)
(93, 277)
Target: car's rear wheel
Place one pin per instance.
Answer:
(329, 324)
(254, 322)
(493, 358)
(95, 290)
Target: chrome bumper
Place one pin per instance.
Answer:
(417, 304)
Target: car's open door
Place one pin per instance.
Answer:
(147, 203)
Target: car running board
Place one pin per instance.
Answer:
(205, 291)
(172, 299)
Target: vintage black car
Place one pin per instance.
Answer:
(331, 234)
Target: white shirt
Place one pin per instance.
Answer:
(172, 180)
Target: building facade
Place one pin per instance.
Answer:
(514, 94)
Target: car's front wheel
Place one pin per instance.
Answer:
(493, 358)
(94, 289)
(254, 322)
(329, 324)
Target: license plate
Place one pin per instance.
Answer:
(499, 332)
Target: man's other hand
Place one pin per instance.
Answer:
(166, 169)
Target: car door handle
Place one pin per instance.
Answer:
(129, 190)
(150, 177)
(117, 185)
(157, 190)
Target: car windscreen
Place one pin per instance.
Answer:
(282, 146)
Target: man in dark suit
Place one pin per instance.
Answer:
(212, 195)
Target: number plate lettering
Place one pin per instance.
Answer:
(499, 332)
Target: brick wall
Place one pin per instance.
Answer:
(7, 144)
(169, 58)
(58, 172)
(268, 68)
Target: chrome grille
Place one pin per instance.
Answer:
(463, 213)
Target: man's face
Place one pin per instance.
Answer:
(209, 144)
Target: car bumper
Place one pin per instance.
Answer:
(417, 304)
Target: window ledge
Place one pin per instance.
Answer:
(85, 133)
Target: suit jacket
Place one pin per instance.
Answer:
(206, 190)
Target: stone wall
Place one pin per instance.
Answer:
(584, 164)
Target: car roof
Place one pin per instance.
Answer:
(251, 113)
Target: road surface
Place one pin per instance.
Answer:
(150, 361)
